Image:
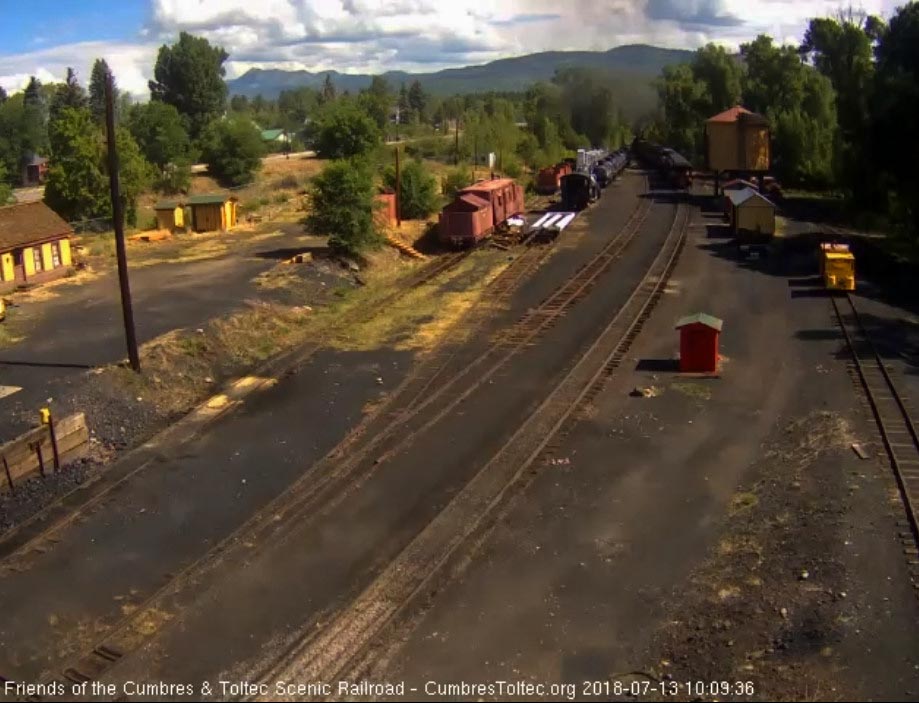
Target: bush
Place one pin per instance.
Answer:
(512, 168)
(343, 204)
(232, 149)
(418, 196)
(457, 178)
(289, 182)
(173, 178)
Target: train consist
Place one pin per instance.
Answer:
(594, 169)
(549, 180)
(674, 167)
(479, 210)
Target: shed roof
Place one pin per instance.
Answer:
(741, 197)
(269, 135)
(209, 199)
(26, 223)
(737, 113)
(700, 318)
(33, 159)
(167, 205)
(738, 183)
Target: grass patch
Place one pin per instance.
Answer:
(742, 502)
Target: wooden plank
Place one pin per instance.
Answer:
(22, 459)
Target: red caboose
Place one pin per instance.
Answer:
(479, 209)
(549, 179)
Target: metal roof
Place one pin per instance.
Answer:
(209, 199)
(737, 113)
(167, 205)
(494, 184)
(700, 318)
(269, 135)
(739, 197)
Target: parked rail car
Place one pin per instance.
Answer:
(548, 180)
(838, 270)
(579, 190)
(478, 210)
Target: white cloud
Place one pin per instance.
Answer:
(131, 64)
(357, 36)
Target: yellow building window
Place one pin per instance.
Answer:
(55, 254)
(36, 258)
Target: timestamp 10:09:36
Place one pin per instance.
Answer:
(669, 688)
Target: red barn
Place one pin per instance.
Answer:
(699, 336)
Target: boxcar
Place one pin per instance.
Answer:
(479, 209)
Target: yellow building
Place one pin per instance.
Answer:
(212, 213)
(170, 215)
(751, 213)
(737, 141)
(34, 244)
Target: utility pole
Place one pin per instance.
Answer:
(118, 222)
(398, 191)
(456, 142)
(475, 156)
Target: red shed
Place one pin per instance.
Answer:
(385, 214)
(699, 335)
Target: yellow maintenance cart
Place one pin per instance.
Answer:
(838, 269)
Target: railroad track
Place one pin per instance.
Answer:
(443, 263)
(327, 482)
(343, 648)
(893, 418)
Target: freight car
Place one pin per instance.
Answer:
(609, 168)
(579, 190)
(548, 180)
(478, 210)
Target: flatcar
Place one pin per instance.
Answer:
(579, 190)
(478, 210)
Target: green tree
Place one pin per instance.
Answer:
(232, 149)
(328, 93)
(418, 191)
(417, 101)
(457, 179)
(76, 187)
(97, 80)
(6, 193)
(189, 75)
(157, 127)
(240, 103)
(68, 94)
(13, 130)
(342, 130)
(35, 118)
(376, 101)
(343, 205)
(801, 104)
(896, 114)
(134, 173)
(403, 104)
(3, 95)
(842, 49)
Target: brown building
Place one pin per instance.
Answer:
(212, 213)
(34, 244)
(34, 170)
(170, 215)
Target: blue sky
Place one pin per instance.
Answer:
(32, 24)
(44, 37)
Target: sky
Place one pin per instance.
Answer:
(44, 37)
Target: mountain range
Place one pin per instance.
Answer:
(634, 66)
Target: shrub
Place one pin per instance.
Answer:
(457, 178)
(288, 182)
(343, 206)
(418, 196)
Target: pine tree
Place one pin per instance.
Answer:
(100, 72)
(403, 104)
(328, 91)
(69, 94)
